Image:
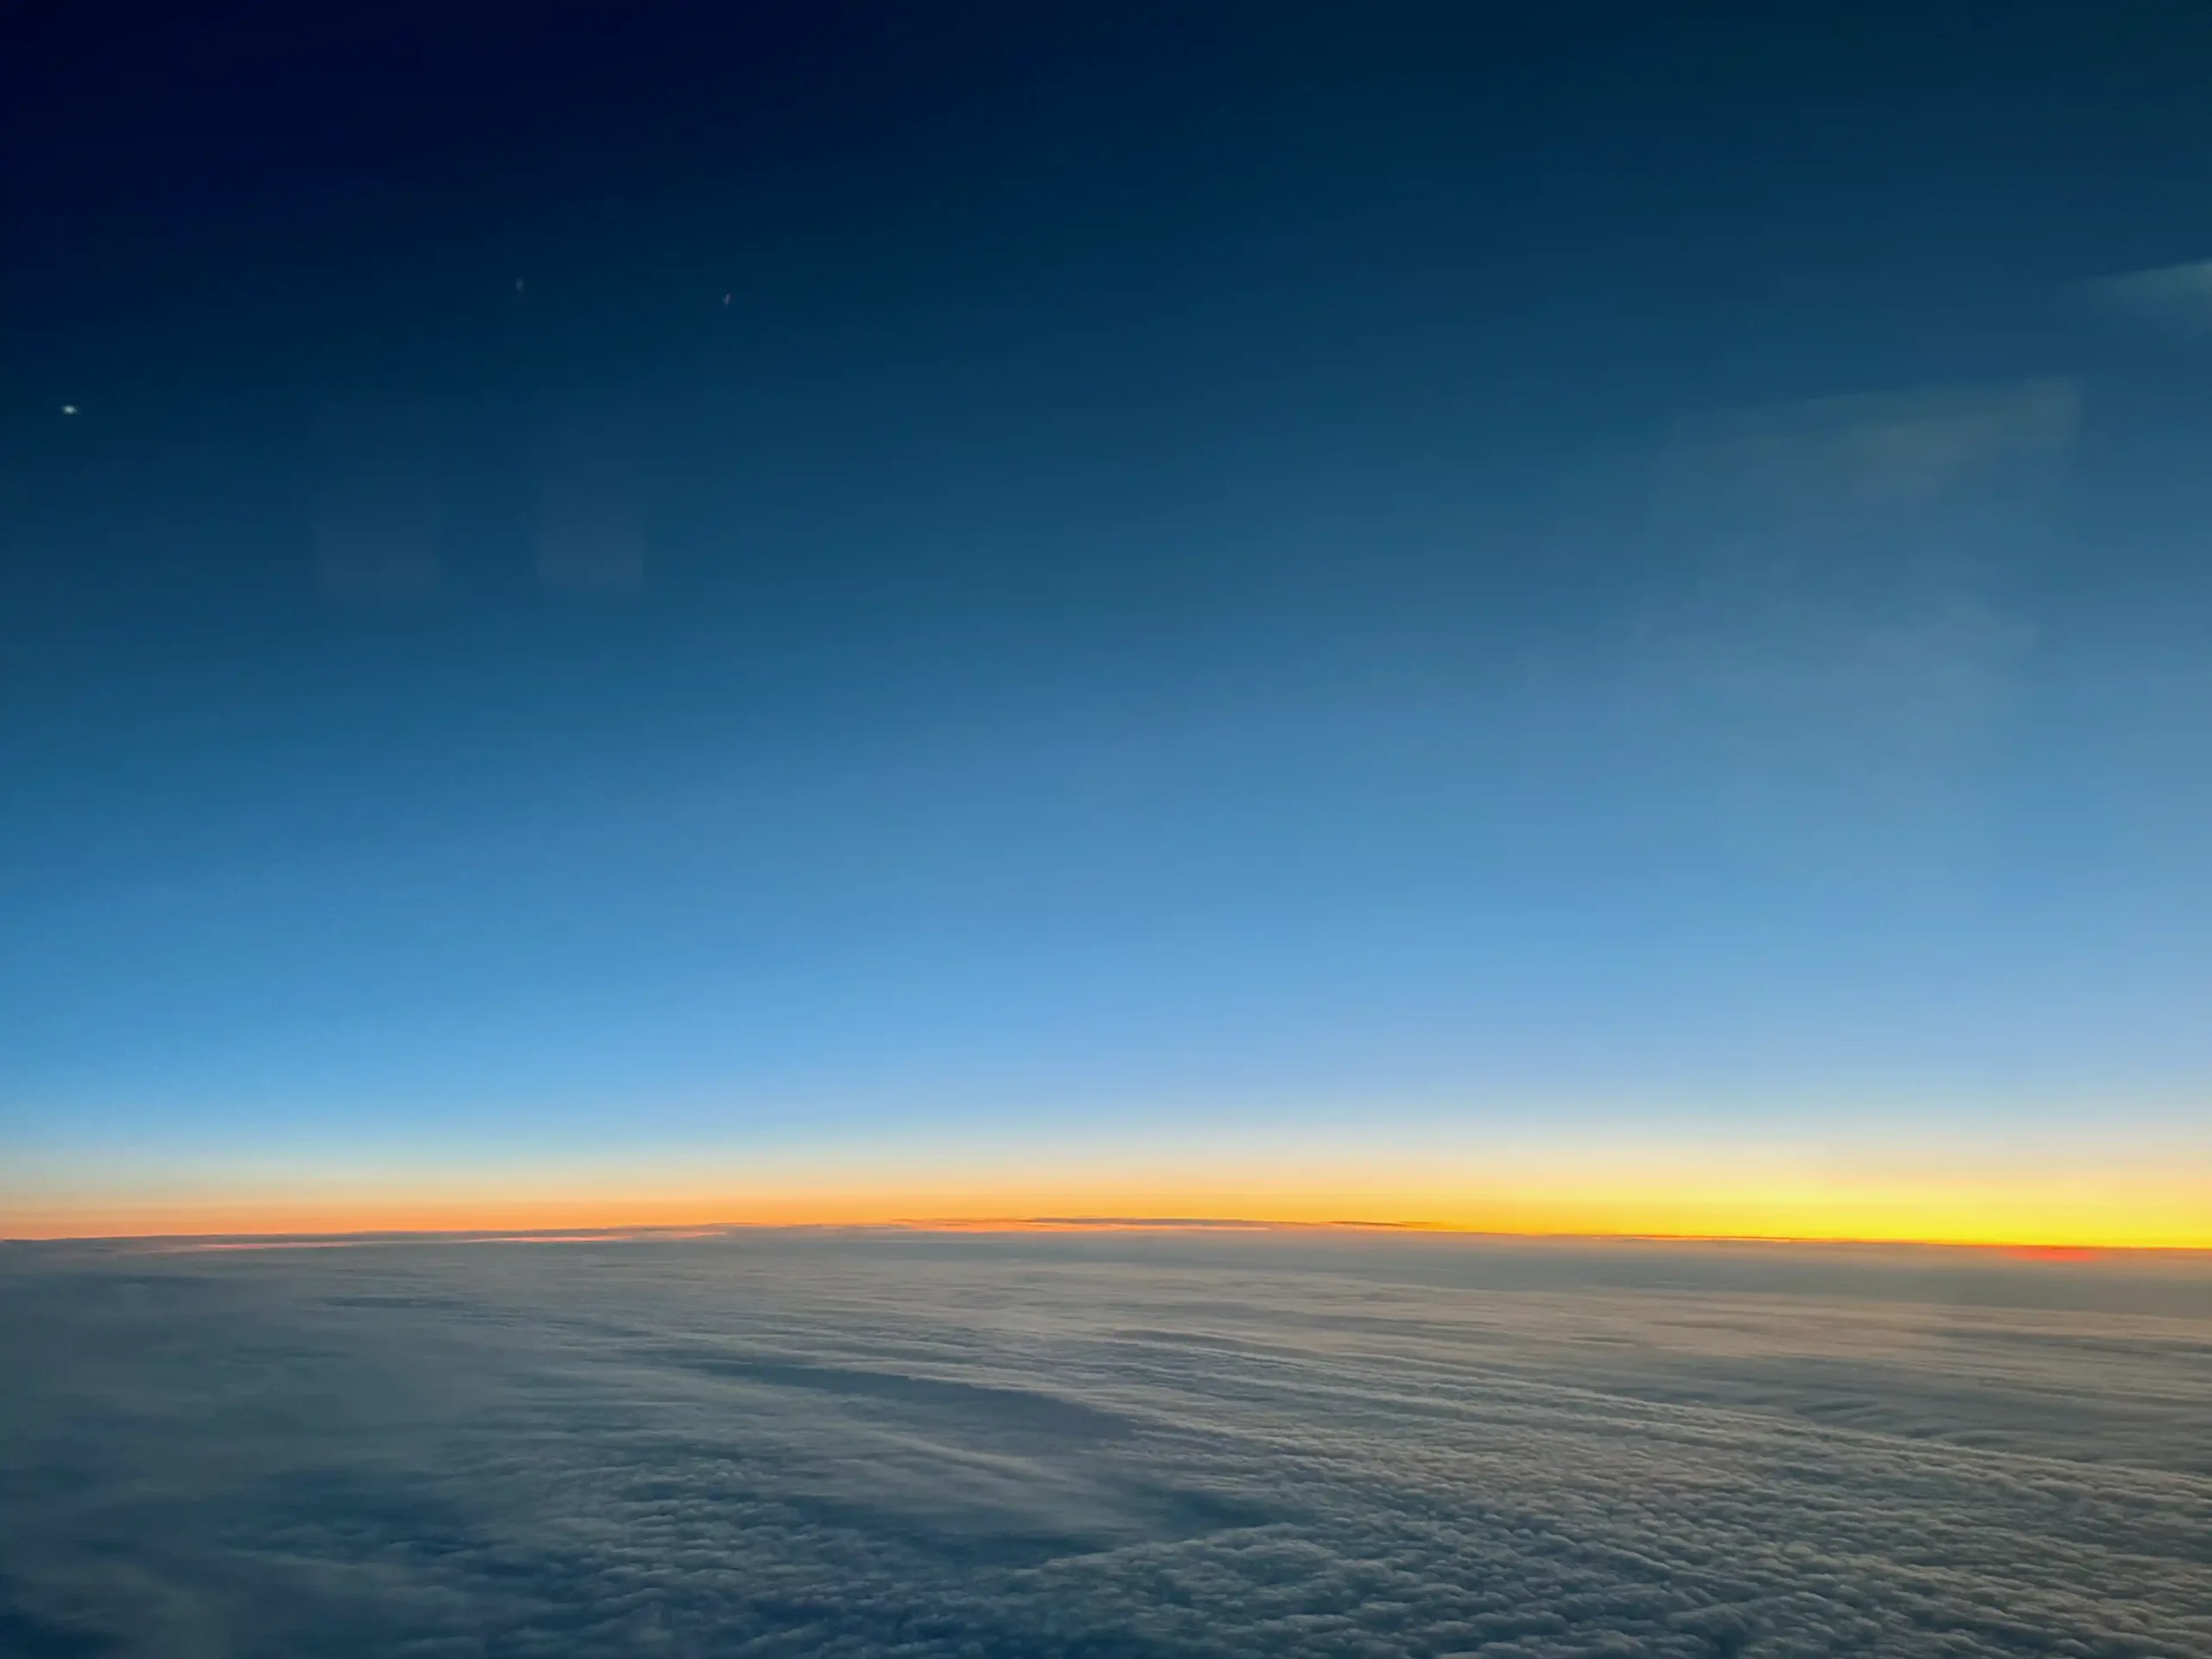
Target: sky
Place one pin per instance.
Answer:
(1571, 619)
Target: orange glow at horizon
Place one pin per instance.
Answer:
(2047, 1214)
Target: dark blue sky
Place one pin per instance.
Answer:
(689, 577)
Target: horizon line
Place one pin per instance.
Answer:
(2041, 1249)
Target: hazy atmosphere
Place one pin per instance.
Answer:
(1577, 618)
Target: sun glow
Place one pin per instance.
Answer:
(2047, 1208)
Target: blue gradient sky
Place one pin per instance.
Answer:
(844, 584)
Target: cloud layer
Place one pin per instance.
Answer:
(1086, 1446)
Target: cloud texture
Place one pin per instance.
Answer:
(1100, 1446)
